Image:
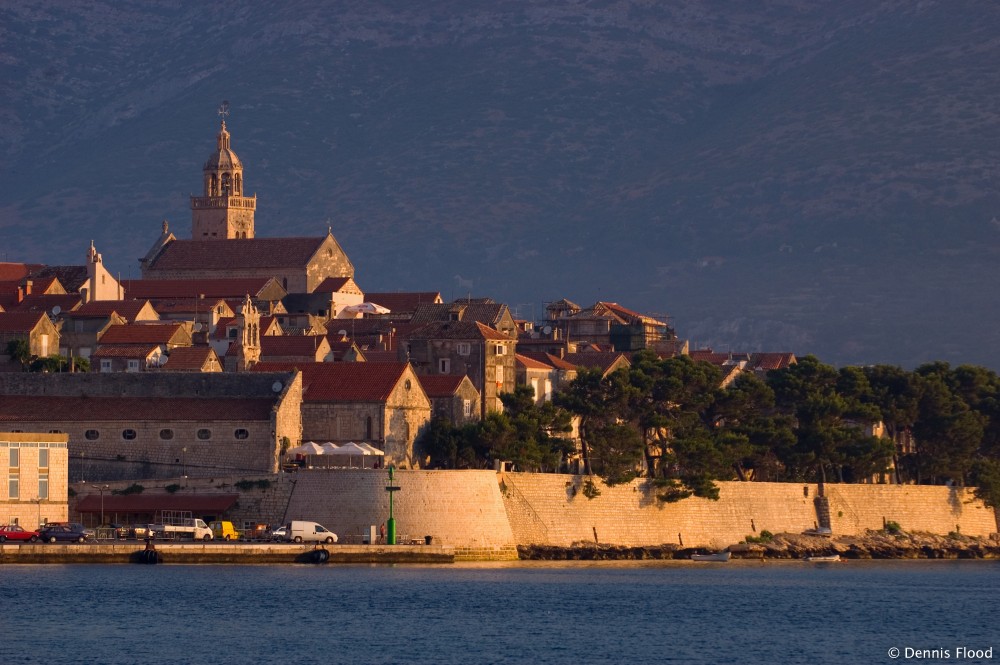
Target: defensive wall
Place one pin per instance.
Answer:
(485, 515)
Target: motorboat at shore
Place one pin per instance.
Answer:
(716, 556)
(821, 558)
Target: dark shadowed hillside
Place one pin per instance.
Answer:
(781, 175)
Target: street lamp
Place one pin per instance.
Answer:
(102, 488)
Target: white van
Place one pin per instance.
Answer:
(299, 532)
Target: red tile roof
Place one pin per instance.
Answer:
(769, 361)
(131, 351)
(381, 356)
(403, 302)
(15, 272)
(19, 322)
(66, 302)
(531, 363)
(194, 288)
(247, 253)
(441, 385)
(291, 345)
(601, 360)
(190, 359)
(334, 284)
(472, 330)
(140, 333)
(100, 309)
(550, 360)
(46, 409)
(343, 382)
(71, 278)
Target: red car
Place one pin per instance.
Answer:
(17, 532)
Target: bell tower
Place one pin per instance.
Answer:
(223, 212)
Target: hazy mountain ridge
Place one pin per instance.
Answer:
(781, 177)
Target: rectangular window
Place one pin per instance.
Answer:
(444, 365)
(133, 365)
(463, 348)
(105, 365)
(501, 350)
(14, 486)
(15, 458)
(499, 373)
(467, 408)
(43, 486)
(43, 458)
(45, 345)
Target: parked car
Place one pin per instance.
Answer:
(70, 533)
(301, 531)
(281, 533)
(224, 530)
(17, 532)
(76, 526)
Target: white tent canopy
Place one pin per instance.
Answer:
(330, 448)
(372, 450)
(350, 448)
(366, 308)
(307, 448)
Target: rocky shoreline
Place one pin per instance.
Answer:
(785, 546)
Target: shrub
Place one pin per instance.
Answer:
(172, 488)
(246, 485)
(764, 537)
(892, 527)
(134, 488)
(590, 490)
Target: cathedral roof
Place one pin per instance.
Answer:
(245, 253)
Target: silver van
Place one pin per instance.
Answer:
(309, 532)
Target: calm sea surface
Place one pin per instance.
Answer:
(739, 612)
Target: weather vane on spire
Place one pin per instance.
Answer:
(224, 110)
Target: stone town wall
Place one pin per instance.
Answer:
(936, 509)
(545, 509)
(458, 508)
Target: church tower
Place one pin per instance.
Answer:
(223, 213)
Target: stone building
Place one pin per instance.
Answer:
(137, 347)
(223, 212)
(33, 327)
(382, 404)
(200, 358)
(159, 425)
(34, 478)
(453, 398)
(82, 327)
(465, 348)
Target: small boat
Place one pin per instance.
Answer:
(717, 556)
(820, 558)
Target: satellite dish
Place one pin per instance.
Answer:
(197, 327)
(162, 360)
(56, 310)
(276, 386)
(342, 333)
(547, 330)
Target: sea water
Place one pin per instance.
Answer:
(519, 612)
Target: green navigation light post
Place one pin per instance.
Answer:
(390, 536)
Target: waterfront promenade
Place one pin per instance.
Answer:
(221, 553)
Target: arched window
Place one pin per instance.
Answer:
(227, 185)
